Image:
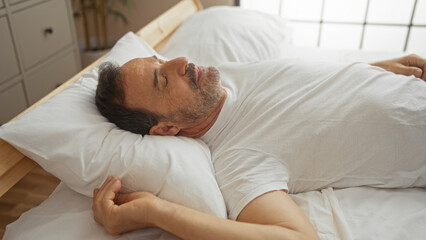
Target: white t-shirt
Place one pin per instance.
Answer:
(298, 126)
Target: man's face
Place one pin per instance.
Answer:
(180, 91)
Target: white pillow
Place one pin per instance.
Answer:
(228, 33)
(69, 138)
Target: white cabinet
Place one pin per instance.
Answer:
(43, 80)
(38, 49)
(8, 61)
(12, 102)
(48, 33)
(12, 2)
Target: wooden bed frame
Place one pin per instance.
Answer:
(14, 165)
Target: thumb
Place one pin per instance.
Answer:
(408, 71)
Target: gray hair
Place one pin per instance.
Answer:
(110, 102)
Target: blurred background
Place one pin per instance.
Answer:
(388, 25)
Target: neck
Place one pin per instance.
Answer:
(201, 127)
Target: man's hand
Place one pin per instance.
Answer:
(271, 216)
(408, 65)
(120, 213)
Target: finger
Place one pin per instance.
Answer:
(95, 192)
(408, 71)
(415, 60)
(107, 192)
(105, 183)
(111, 189)
(114, 185)
(418, 73)
(424, 72)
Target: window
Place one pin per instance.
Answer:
(390, 25)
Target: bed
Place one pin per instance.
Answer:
(349, 213)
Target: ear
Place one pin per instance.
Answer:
(164, 129)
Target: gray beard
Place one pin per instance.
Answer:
(206, 98)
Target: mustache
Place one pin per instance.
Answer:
(192, 75)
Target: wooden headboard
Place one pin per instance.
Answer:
(14, 165)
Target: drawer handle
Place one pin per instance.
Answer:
(48, 30)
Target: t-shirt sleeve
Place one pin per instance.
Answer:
(244, 175)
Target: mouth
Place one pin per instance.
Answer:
(194, 74)
(199, 73)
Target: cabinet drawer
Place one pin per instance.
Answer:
(13, 2)
(42, 81)
(8, 63)
(42, 31)
(12, 102)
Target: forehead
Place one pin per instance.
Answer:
(138, 75)
(137, 64)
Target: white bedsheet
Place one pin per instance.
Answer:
(357, 213)
(384, 213)
(67, 214)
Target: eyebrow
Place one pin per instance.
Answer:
(155, 74)
(155, 77)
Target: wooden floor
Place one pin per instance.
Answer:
(29, 192)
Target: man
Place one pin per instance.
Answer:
(150, 96)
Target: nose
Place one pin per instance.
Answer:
(177, 65)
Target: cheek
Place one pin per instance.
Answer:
(180, 100)
(181, 94)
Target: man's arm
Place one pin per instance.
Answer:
(408, 65)
(270, 216)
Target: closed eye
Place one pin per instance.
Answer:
(165, 78)
(156, 72)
